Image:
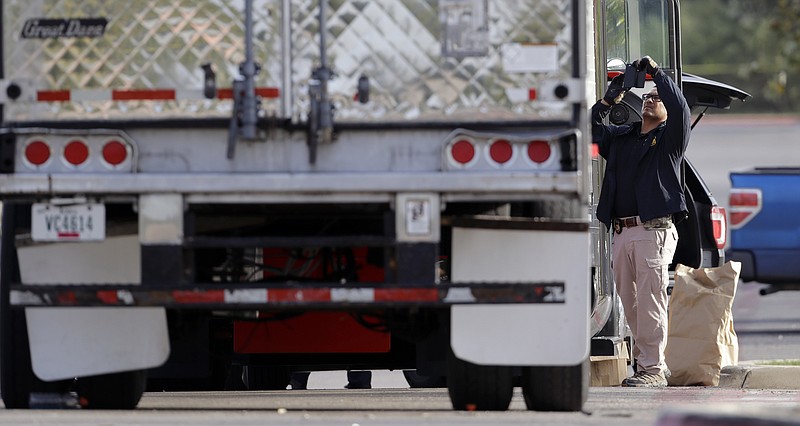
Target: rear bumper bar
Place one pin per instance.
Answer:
(246, 296)
(287, 184)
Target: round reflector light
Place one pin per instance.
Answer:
(501, 151)
(37, 153)
(76, 152)
(539, 151)
(463, 151)
(115, 152)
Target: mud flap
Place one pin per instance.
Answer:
(555, 332)
(76, 342)
(79, 342)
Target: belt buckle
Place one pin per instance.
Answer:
(617, 226)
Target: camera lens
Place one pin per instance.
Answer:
(619, 115)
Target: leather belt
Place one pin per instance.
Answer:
(627, 222)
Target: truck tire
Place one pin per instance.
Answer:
(555, 388)
(266, 377)
(17, 380)
(415, 380)
(478, 387)
(115, 391)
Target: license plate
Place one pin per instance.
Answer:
(74, 222)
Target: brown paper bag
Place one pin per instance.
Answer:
(701, 338)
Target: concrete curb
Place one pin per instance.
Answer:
(751, 376)
(748, 375)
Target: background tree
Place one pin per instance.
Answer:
(786, 25)
(751, 44)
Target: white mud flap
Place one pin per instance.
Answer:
(555, 332)
(79, 342)
(76, 342)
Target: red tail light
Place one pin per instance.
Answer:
(509, 153)
(463, 151)
(70, 153)
(37, 153)
(719, 225)
(539, 151)
(76, 152)
(115, 152)
(745, 203)
(501, 151)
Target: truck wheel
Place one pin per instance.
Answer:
(17, 380)
(266, 377)
(556, 388)
(16, 376)
(478, 387)
(115, 391)
(415, 380)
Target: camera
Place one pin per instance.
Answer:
(619, 115)
(633, 77)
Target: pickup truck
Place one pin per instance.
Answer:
(765, 231)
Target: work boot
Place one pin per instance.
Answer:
(299, 380)
(643, 379)
(359, 380)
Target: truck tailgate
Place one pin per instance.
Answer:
(765, 232)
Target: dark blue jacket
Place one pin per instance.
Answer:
(659, 191)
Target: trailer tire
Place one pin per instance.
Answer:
(17, 380)
(416, 380)
(266, 377)
(556, 388)
(115, 391)
(478, 387)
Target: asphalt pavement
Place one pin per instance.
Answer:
(767, 327)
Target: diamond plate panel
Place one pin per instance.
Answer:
(400, 46)
(147, 44)
(426, 59)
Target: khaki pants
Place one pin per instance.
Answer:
(641, 260)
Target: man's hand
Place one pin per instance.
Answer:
(615, 91)
(646, 63)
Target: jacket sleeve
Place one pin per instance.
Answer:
(679, 116)
(604, 135)
(601, 134)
